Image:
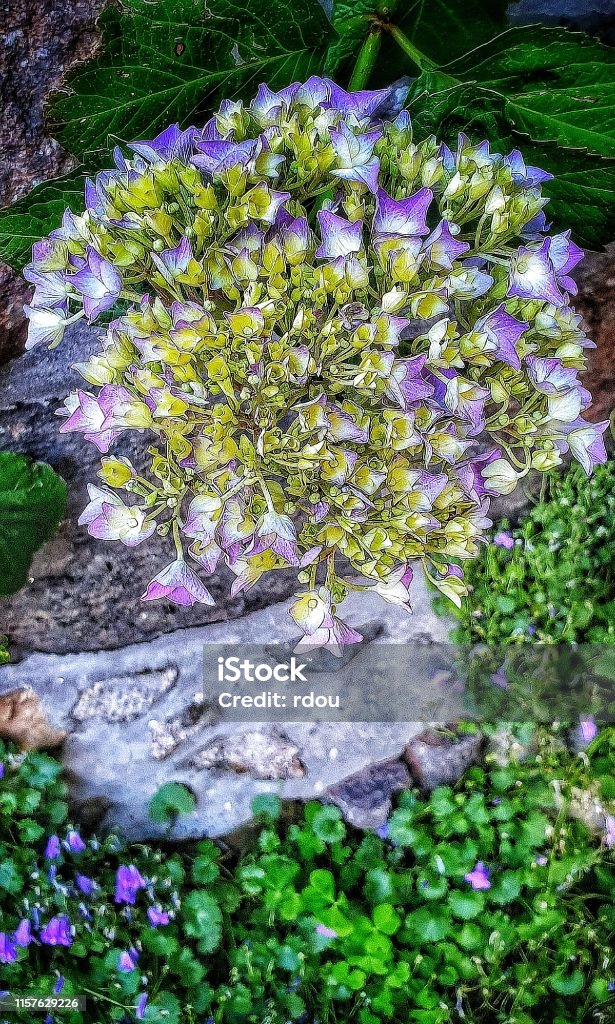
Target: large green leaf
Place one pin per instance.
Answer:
(558, 86)
(40, 211)
(32, 503)
(173, 60)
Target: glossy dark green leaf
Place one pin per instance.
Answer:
(32, 503)
(164, 61)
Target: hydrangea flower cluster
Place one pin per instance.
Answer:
(337, 342)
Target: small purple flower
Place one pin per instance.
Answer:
(550, 376)
(401, 218)
(173, 262)
(178, 583)
(157, 917)
(443, 247)
(585, 441)
(59, 985)
(108, 518)
(218, 155)
(1, 769)
(172, 143)
(340, 237)
(84, 884)
(101, 419)
(609, 831)
(50, 288)
(587, 730)
(140, 1007)
(502, 539)
(8, 952)
(354, 154)
(99, 283)
(74, 842)
(406, 384)
(23, 934)
(57, 932)
(276, 532)
(327, 933)
(127, 960)
(503, 332)
(524, 174)
(564, 256)
(531, 630)
(128, 881)
(478, 877)
(365, 103)
(383, 831)
(53, 849)
(532, 275)
(542, 861)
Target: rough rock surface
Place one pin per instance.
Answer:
(263, 755)
(85, 594)
(440, 758)
(136, 718)
(40, 40)
(23, 720)
(596, 301)
(365, 798)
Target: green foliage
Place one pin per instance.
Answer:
(556, 86)
(318, 921)
(32, 503)
(174, 60)
(558, 579)
(169, 801)
(442, 29)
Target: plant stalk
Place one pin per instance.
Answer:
(422, 62)
(366, 59)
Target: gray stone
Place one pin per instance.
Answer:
(123, 698)
(263, 755)
(365, 798)
(439, 758)
(115, 768)
(85, 594)
(167, 736)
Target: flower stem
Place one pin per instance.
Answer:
(422, 62)
(366, 59)
(178, 544)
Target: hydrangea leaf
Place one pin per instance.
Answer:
(173, 60)
(558, 86)
(32, 503)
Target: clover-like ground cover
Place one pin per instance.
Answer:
(488, 902)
